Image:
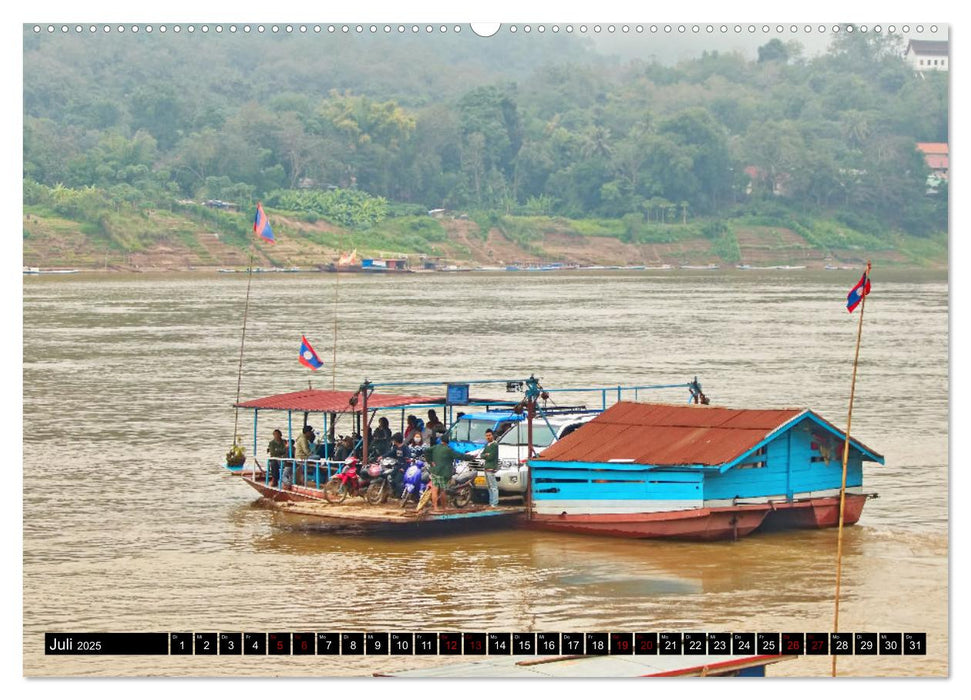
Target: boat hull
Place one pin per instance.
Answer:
(292, 493)
(708, 523)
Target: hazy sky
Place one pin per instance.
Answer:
(674, 46)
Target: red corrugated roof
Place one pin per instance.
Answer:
(937, 162)
(322, 401)
(929, 148)
(662, 434)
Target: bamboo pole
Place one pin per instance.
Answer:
(242, 340)
(846, 455)
(333, 363)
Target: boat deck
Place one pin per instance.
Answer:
(358, 516)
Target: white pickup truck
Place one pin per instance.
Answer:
(513, 472)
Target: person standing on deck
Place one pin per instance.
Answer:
(490, 459)
(277, 448)
(440, 458)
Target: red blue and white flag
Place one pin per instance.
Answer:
(261, 225)
(308, 358)
(861, 289)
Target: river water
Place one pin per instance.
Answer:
(131, 524)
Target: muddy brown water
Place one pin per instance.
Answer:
(130, 523)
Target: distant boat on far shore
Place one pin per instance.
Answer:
(38, 271)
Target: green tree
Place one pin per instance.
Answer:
(774, 50)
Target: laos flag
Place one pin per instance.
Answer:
(308, 358)
(261, 225)
(861, 289)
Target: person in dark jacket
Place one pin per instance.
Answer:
(402, 456)
(381, 438)
(344, 449)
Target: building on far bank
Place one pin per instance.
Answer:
(937, 158)
(927, 55)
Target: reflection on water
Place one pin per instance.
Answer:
(138, 528)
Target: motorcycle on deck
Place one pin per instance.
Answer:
(459, 490)
(382, 485)
(351, 480)
(415, 482)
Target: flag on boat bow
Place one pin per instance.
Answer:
(308, 357)
(261, 225)
(861, 289)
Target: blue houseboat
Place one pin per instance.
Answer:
(697, 472)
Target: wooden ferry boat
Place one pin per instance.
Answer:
(641, 470)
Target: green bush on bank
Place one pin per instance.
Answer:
(350, 208)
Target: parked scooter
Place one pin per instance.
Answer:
(415, 482)
(382, 485)
(351, 480)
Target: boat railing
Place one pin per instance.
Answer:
(315, 471)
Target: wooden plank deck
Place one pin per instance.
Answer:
(358, 516)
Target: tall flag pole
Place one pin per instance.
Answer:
(856, 297)
(261, 227)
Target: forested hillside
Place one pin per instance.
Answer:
(357, 129)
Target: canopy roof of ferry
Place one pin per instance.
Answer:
(327, 401)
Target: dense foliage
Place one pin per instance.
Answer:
(538, 125)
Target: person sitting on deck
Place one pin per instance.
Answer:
(277, 448)
(381, 438)
(344, 449)
(417, 446)
(441, 457)
(434, 424)
(411, 429)
(401, 454)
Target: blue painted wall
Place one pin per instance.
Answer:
(789, 468)
(584, 481)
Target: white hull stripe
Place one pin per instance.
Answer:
(546, 507)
